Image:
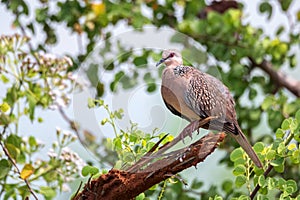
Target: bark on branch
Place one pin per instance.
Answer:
(124, 185)
(281, 79)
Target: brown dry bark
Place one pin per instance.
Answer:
(118, 184)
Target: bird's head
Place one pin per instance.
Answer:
(170, 57)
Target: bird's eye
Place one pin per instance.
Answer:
(172, 55)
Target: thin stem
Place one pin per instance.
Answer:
(270, 167)
(161, 193)
(14, 163)
(254, 192)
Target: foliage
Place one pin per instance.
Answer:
(128, 145)
(33, 81)
(36, 80)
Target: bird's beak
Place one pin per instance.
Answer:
(161, 61)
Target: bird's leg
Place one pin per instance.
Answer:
(195, 125)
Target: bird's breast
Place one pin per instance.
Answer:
(173, 90)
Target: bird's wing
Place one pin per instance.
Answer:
(207, 96)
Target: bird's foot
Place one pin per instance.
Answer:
(188, 131)
(195, 125)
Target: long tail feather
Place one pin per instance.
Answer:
(242, 140)
(236, 132)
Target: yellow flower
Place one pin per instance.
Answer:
(98, 8)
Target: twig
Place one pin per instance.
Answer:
(14, 163)
(270, 167)
(278, 77)
(72, 123)
(266, 173)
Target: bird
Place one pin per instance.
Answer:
(194, 95)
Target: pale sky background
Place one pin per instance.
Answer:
(147, 110)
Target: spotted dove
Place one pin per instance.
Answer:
(195, 95)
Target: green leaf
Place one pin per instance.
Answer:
(285, 4)
(285, 124)
(104, 121)
(140, 196)
(296, 156)
(117, 144)
(24, 192)
(92, 74)
(128, 157)
(236, 154)
(259, 147)
(15, 140)
(119, 113)
(32, 141)
(4, 119)
(227, 186)
(243, 197)
(261, 180)
(217, 197)
(151, 87)
(5, 167)
(89, 170)
(297, 116)
(239, 170)
(4, 78)
(271, 154)
(280, 133)
(196, 184)
(148, 78)
(267, 102)
(240, 181)
(14, 152)
(41, 14)
(50, 176)
(265, 7)
(48, 192)
(91, 103)
(263, 190)
(140, 62)
(32, 103)
(109, 65)
(292, 185)
(271, 183)
(280, 30)
(277, 162)
(100, 89)
(178, 38)
(118, 164)
(281, 148)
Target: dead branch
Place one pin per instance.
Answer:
(281, 79)
(117, 184)
(189, 129)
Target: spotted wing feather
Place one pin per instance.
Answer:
(207, 96)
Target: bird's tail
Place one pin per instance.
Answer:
(236, 132)
(242, 140)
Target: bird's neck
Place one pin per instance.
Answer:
(173, 65)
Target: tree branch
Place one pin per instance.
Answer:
(189, 129)
(281, 79)
(117, 184)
